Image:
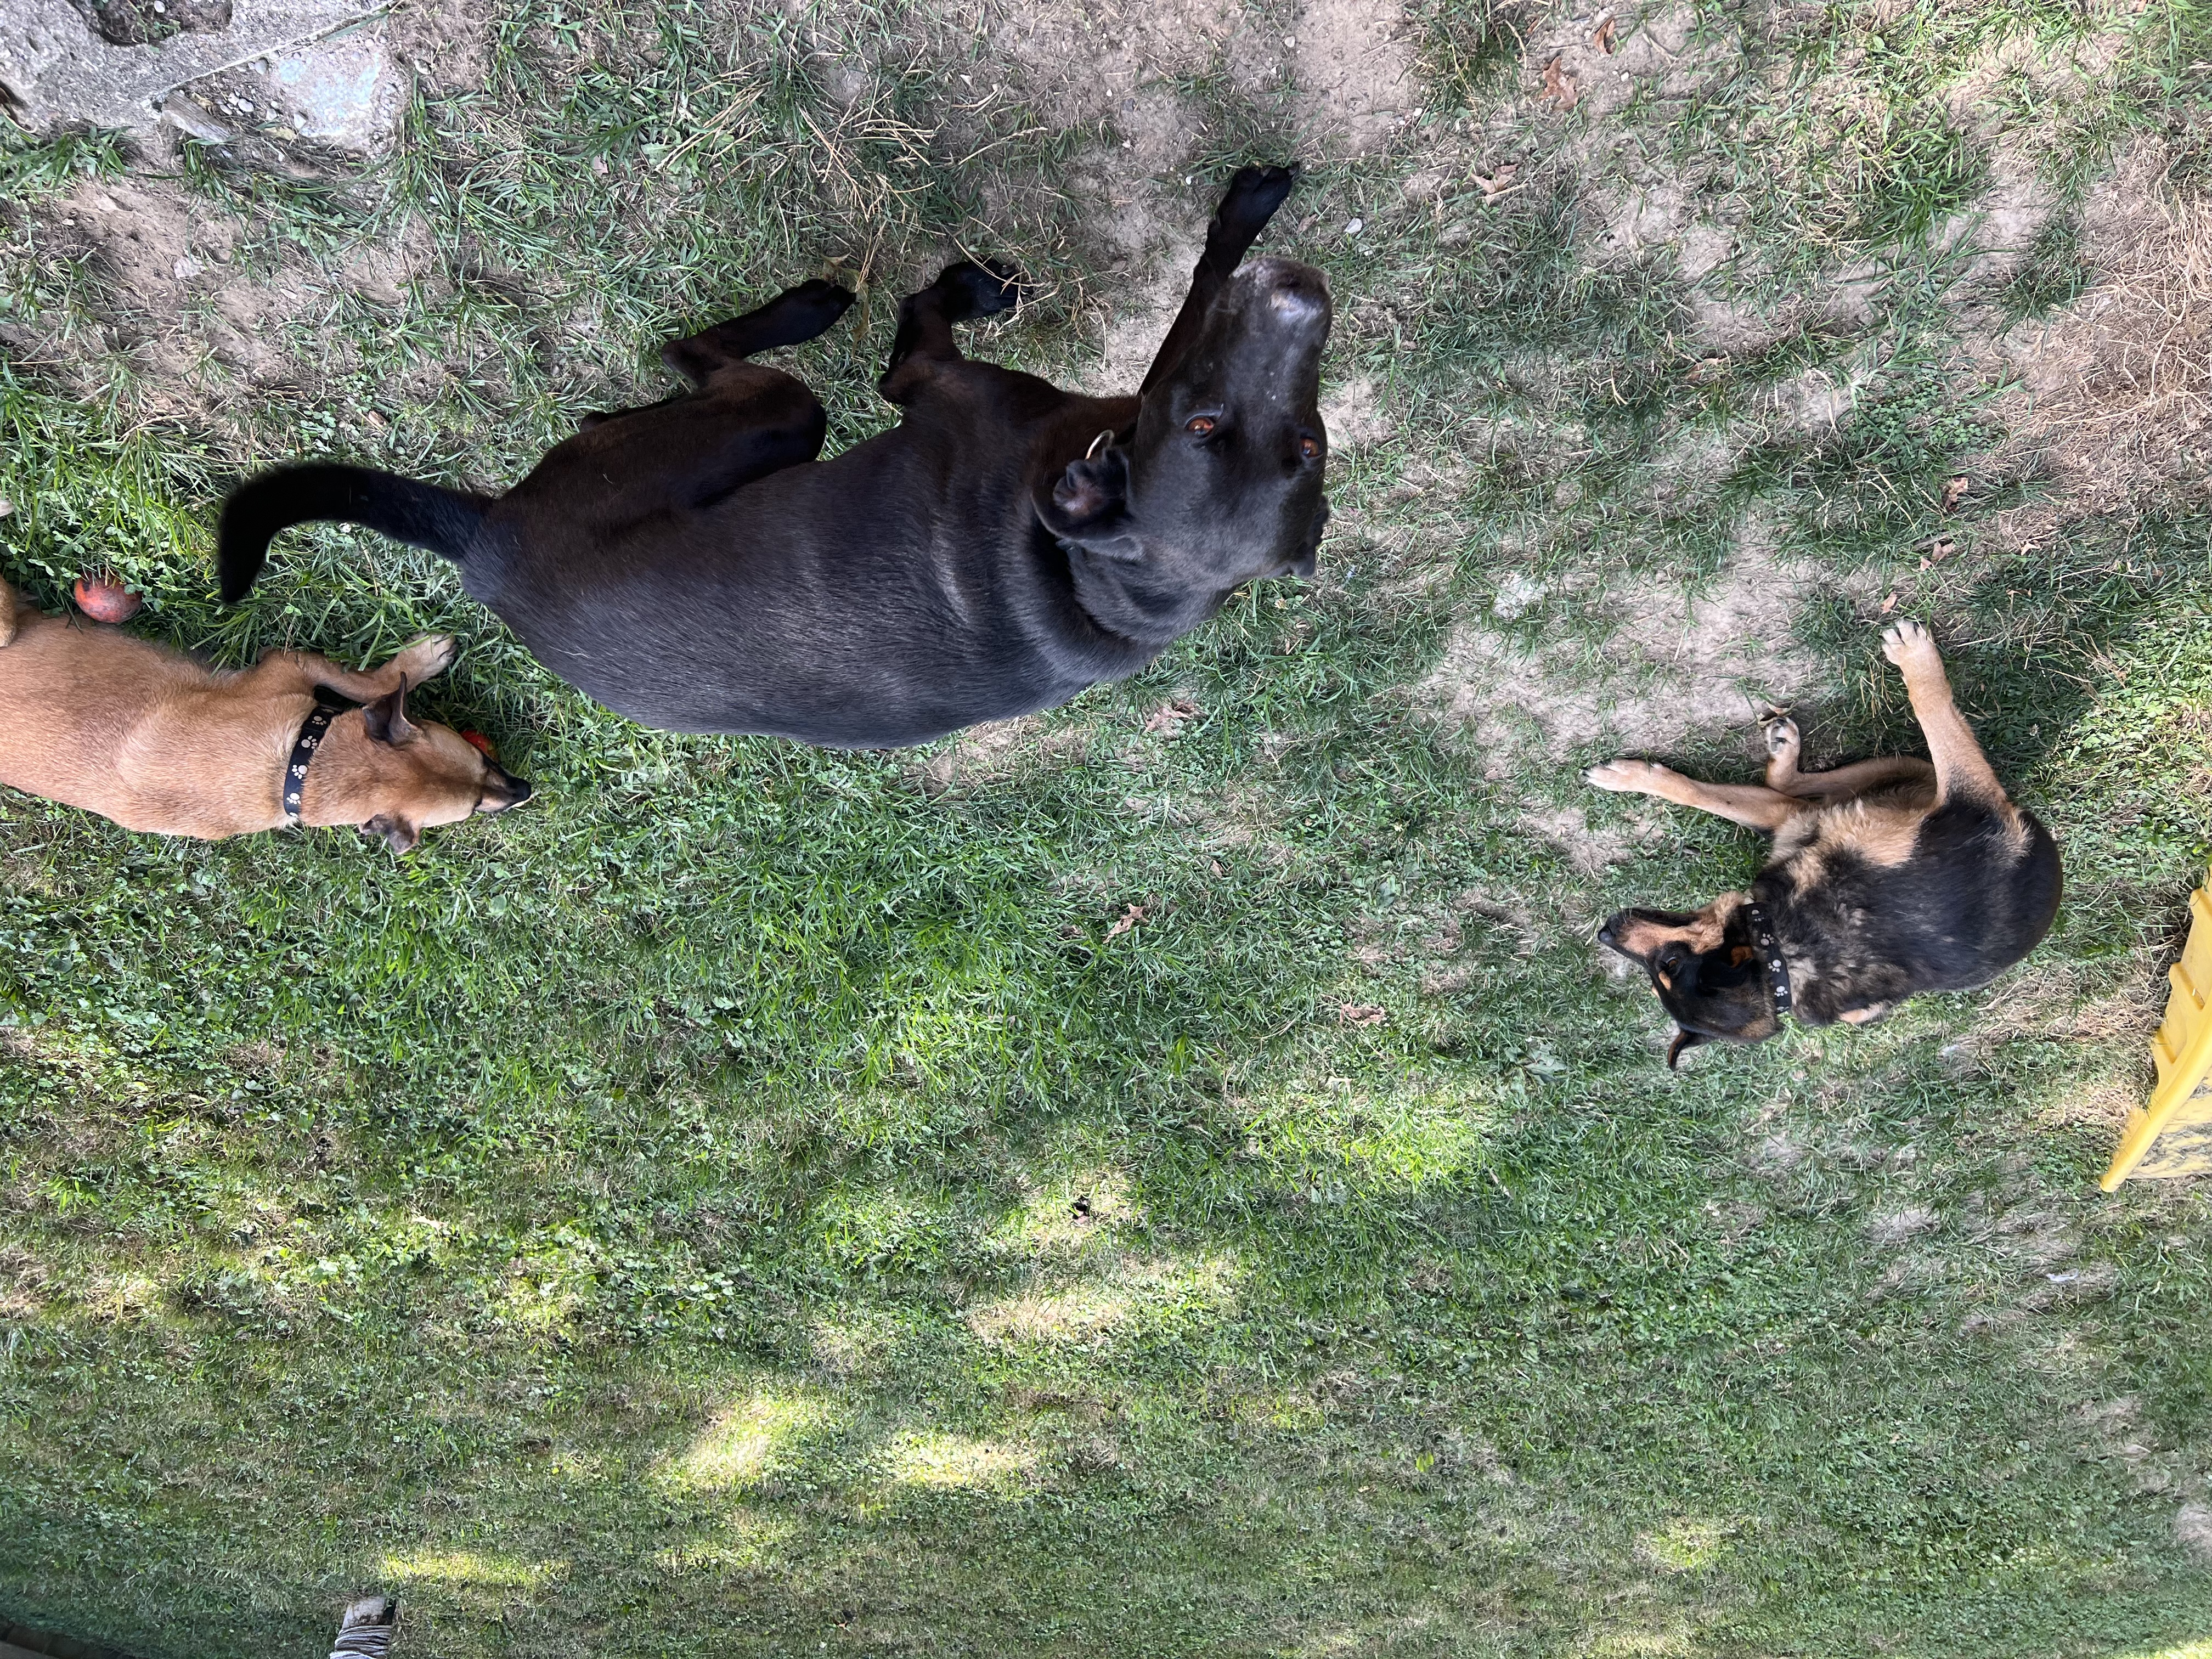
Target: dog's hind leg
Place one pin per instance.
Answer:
(961, 293)
(1839, 783)
(792, 318)
(1961, 768)
(1747, 804)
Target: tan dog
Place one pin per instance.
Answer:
(148, 737)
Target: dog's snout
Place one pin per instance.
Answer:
(1298, 293)
(1605, 936)
(1289, 291)
(506, 790)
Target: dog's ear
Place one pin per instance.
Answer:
(386, 718)
(398, 835)
(1088, 503)
(1683, 1040)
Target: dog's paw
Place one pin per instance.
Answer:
(1907, 644)
(1252, 198)
(1623, 776)
(816, 301)
(427, 656)
(985, 287)
(1781, 738)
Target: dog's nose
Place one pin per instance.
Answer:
(1605, 937)
(518, 790)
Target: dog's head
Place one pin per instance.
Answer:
(1221, 483)
(409, 776)
(1706, 968)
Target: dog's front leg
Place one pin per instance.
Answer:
(1961, 768)
(1747, 803)
(425, 658)
(1253, 197)
(925, 329)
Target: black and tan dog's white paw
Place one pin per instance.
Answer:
(1783, 740)
(1628, 777)
(1908, 644)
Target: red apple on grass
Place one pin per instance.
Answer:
(105, 599)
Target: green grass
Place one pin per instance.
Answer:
(757, 1201)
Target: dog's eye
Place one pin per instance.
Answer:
(1200, 424)
(1310, 449)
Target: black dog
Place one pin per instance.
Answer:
(1003, 547)
(1889, 878)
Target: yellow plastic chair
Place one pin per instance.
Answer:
(2172, 1134)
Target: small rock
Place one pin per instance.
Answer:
(1355, 228)
(346, 91)
(189, 118)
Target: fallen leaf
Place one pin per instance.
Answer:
(1601, 36)
(1951, 493)
(1361, 1013)
(1889, 604)
(1943, 549)
(1499, 181)
(1170, 716)
(1130, 918)
(1214, 864)
(1559, 90)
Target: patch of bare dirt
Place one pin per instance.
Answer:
(1677, 664)
(1353, 416)
(1591, 848)
(2112, 395)
(985, 754)
(176, 294)
(148, 241)
(1155, 241)
(2192, 1530)
(447, 43)
(1355, 69)
(1888, 1230)
(2119, 1431)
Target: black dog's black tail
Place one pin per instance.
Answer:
(420, 514)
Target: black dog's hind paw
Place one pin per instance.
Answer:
(981, 289)
(1252, 198)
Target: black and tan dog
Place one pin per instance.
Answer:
(1007, 545)
(1889, 878)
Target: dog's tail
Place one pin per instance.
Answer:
(420, 514)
